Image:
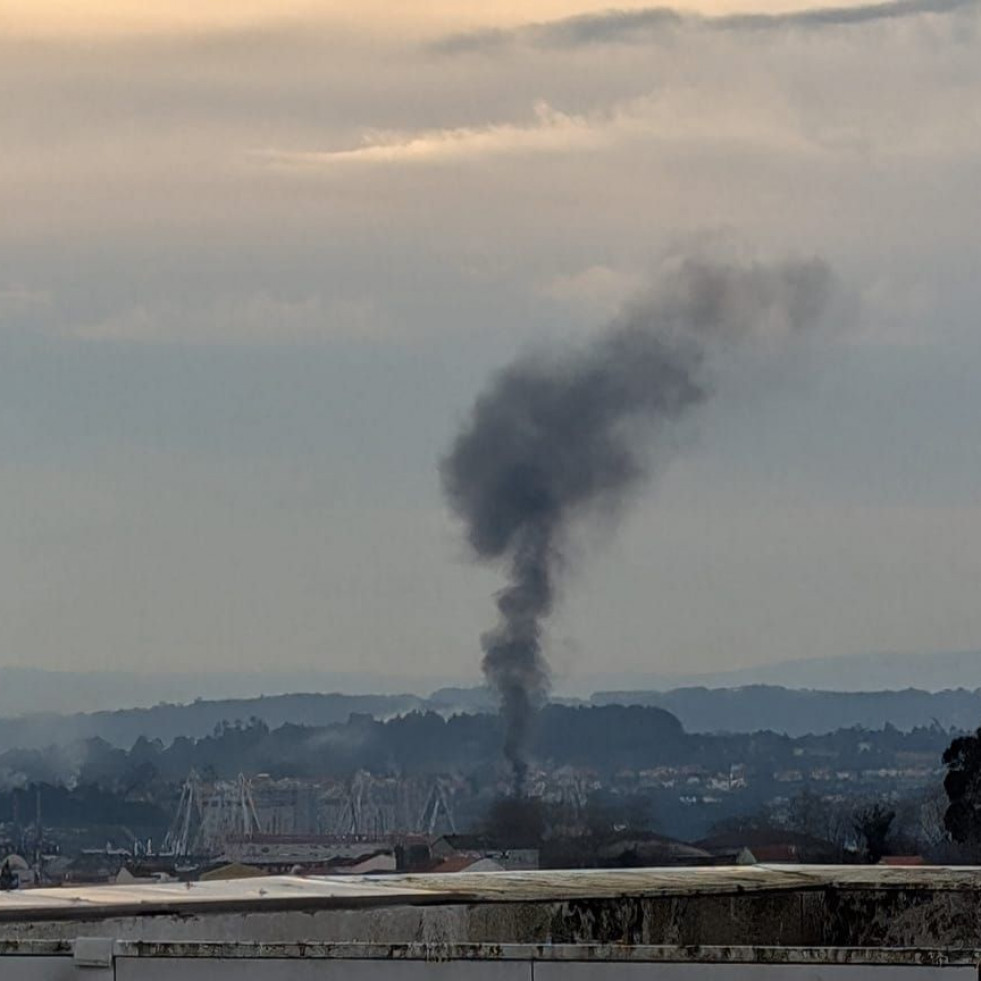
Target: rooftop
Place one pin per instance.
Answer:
(786, 905)
(354, 892)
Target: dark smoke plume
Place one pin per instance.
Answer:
(559, 434)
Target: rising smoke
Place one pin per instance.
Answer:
(561, 434)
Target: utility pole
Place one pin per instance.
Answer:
(37, 836)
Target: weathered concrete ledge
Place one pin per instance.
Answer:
(794, 907)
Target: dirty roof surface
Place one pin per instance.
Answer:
(350, 892)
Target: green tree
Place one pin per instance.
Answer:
(872, 825)
(962, 783)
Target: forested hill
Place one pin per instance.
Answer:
(738, 710)
(799, 712)
(605, 740)
(621, 755)
(199, 718)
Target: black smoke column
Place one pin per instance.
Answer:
(557, 435)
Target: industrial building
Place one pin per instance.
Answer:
(734, 924)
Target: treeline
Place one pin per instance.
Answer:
(84, 806)
(605, 739)
(740, 710)
(416, 743)
(798, 712)
(699, 779)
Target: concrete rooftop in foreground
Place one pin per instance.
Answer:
(786, 906)
(358, 892)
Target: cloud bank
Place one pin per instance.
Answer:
(656, 23)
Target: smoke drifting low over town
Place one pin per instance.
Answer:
(560, 435)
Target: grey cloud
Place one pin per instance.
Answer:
(841, 16)
(653, 23)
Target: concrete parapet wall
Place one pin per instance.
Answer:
(931, 909)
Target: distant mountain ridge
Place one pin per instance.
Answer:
(40, 708)
(30, 690)
(797, 712)
(199, 718)
(941, 671)
(699, 710)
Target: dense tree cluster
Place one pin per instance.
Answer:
(963, 786)
(607, 739)
(640, 757)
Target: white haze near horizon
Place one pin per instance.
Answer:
(256, 260)
(30, 691)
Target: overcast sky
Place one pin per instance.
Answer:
(257, 259)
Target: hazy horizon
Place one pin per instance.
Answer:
(28, 691)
